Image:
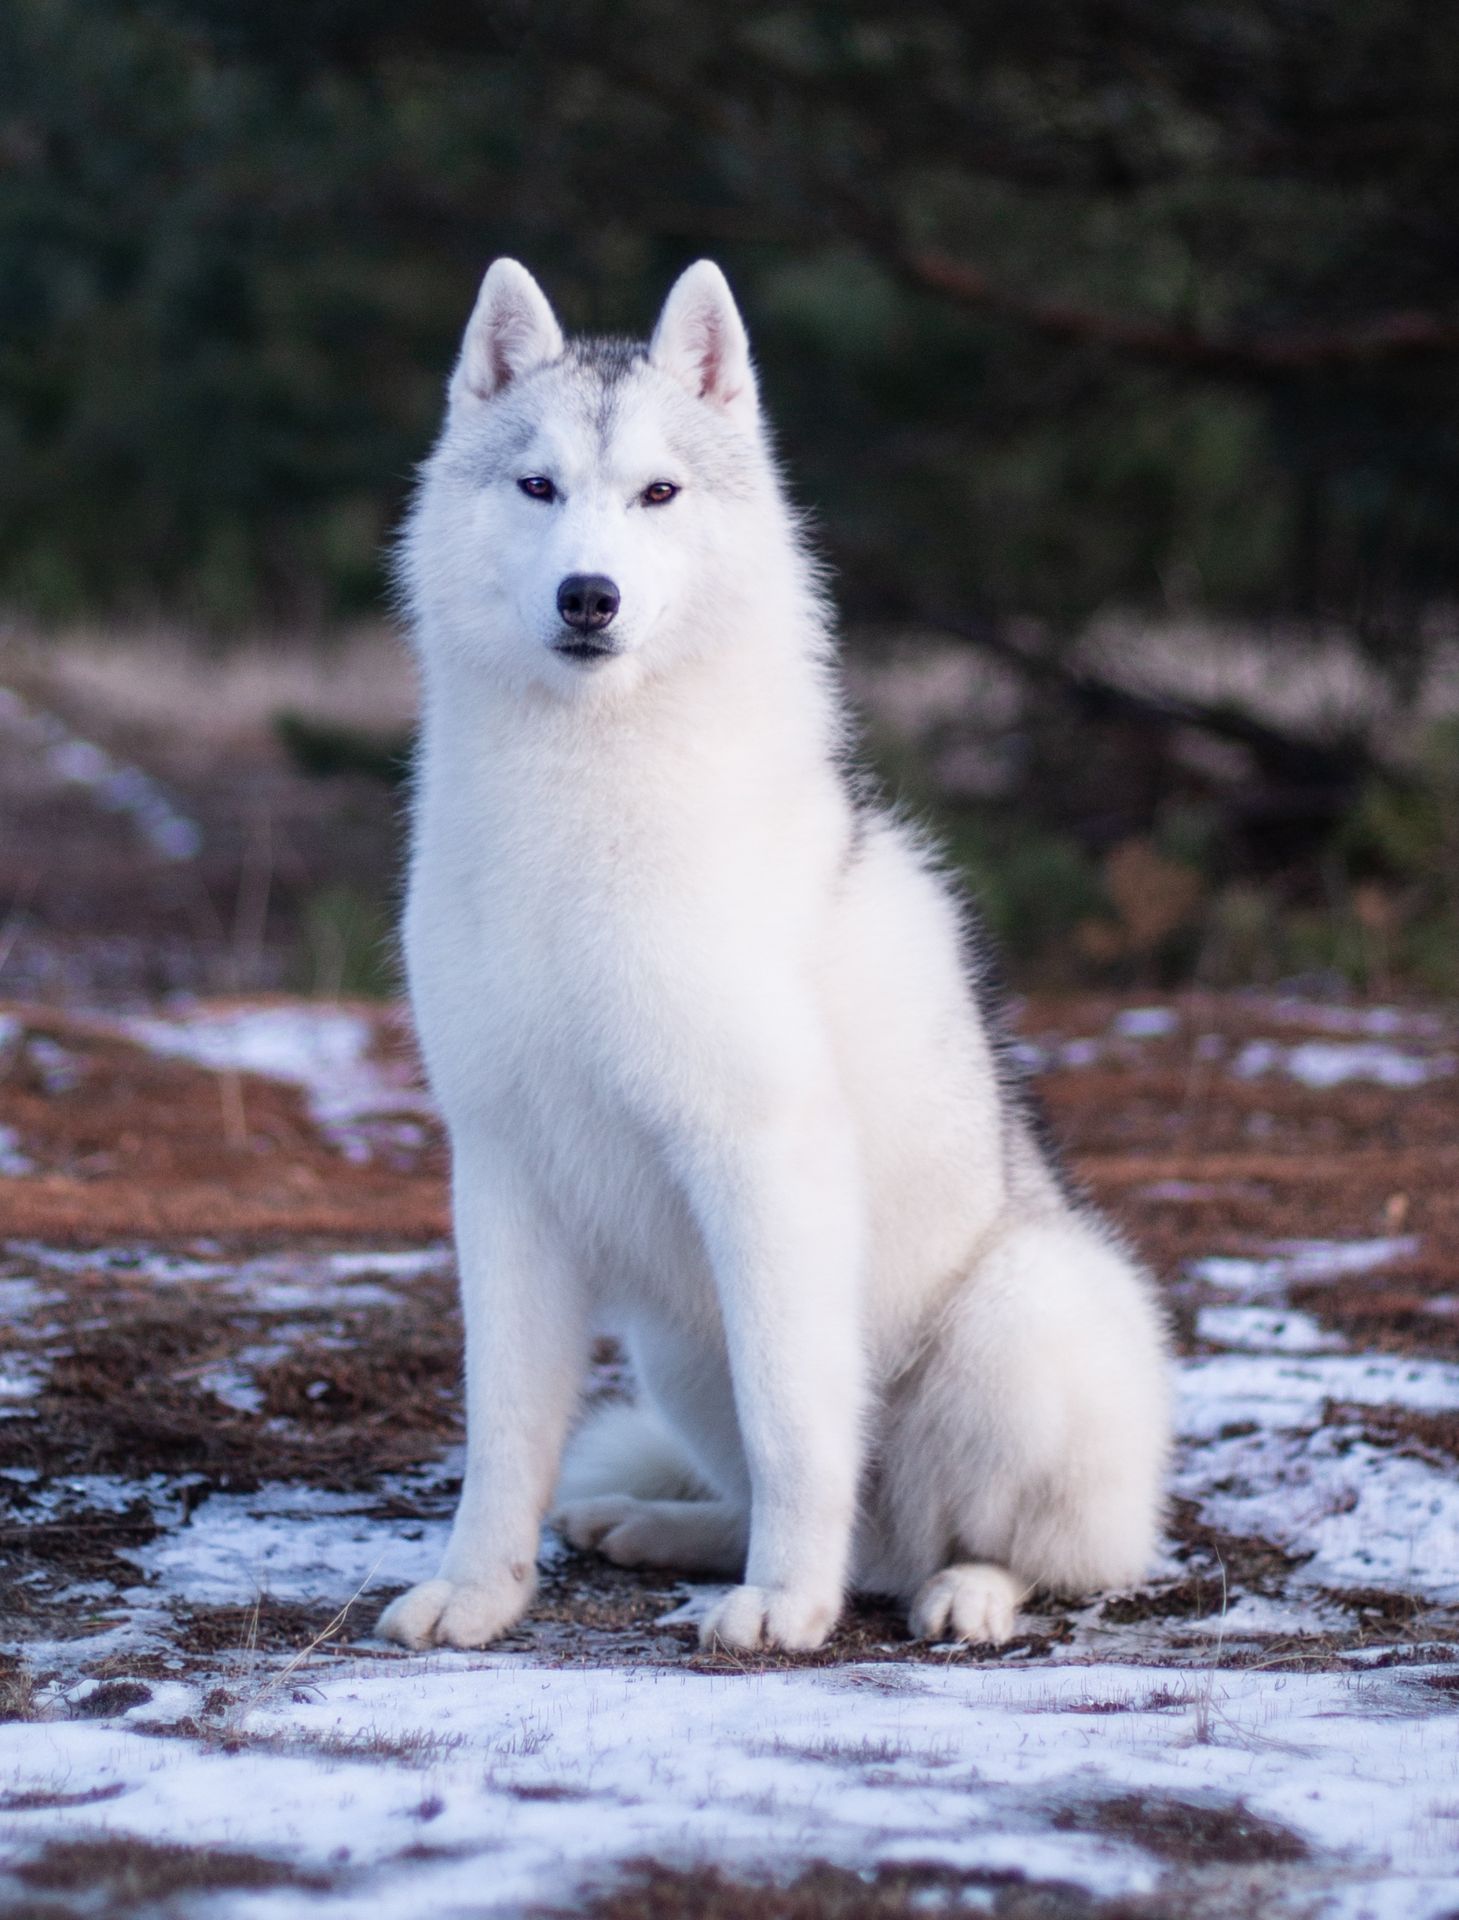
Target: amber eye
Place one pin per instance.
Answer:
(537, 486)
(658, 493)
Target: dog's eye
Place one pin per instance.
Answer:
(658, 493)
(537, 486)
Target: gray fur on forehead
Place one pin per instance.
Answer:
(715, 453)
(487, 442)
(602, 364)
(590, 378)
(607, 358)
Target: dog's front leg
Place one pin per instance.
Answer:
(525, 1356)
(779, 1204)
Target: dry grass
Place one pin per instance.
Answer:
(158, 686)
(131, 1874)
(46, 1800)
(129, 1395)
(1190, 1833)
(649, 1891)
(111, 1697)
(19, 1690)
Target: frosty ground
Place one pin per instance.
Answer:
(229, 1378)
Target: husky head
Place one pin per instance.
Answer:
(589, 512)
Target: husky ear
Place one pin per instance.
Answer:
(512, 329)
(700, 339)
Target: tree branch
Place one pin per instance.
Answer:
(1409, 334)
(1294, 761)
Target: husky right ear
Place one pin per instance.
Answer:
(512, 329)
(700, 339)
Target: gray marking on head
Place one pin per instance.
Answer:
(592, 374)
(605, 363)
(611, 358)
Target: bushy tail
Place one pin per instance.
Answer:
(621, 1448)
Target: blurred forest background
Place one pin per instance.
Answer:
(1115, 344)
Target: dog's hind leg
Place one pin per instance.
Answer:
(973, 1600)
(694, 1536)
(629, 1488)
(625, 1448)
(1029, 1450)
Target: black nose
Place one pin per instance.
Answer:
(587, 601)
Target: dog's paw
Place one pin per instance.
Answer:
(976, 1602)
(455, 1613)
(768, 1619)
(622, 1529)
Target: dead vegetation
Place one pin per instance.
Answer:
(18, 1689)
(38, 1800)
(268, 1626)
(111, 1697)
(1422, 1435)
(359, 1393)
(1188, 1832)
(130, 1874)
(650, 1891)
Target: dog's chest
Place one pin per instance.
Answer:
(563, 998)
(575, 949)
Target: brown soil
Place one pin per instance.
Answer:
(129, 1145)
(363, 1391)
(1193, 1160)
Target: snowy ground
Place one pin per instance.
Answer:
(219, 1453)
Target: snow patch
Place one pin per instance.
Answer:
(1284, 1392)
(537, 1781)
(21, 1301)
(1362, 1515)
(1300, 1262)
(362, 1103)
(21, 1378)
(291, 1543)
(1145, 1023)
(1265, 1330)
(1330, 1017)
(1333, 1063)
(116, 787)
(14, 1164)
(294, 1282)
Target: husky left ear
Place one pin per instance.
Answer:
(512, 329)
(700, 339)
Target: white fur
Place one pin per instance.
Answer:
(714, 1073)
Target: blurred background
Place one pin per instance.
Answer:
(1113, 343)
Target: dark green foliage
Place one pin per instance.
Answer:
(1061, 306)
(323, 747)
(1199, 343)
(348, 945)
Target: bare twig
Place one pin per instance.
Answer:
(1405, 334)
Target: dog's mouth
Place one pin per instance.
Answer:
(585, 652)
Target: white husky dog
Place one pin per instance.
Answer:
(717, 1078)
